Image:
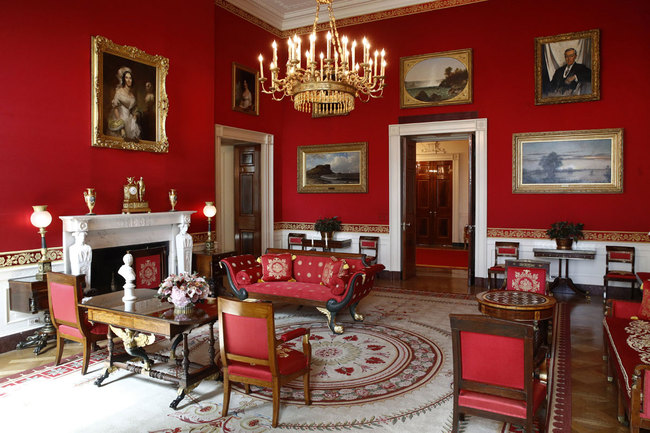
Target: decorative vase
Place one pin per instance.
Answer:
(187, 310)
(173, 199)
(564, 243)
(327, 237)
(89, 198)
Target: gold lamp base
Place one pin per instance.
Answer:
(43, 268)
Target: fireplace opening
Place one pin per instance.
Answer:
(107, 261)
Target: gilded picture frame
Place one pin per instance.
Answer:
(577, 162)
(245, 90)
(333, 168)
(444, 78)
(567, 68)
(129, 98)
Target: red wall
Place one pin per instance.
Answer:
(45, 110)
(501, 34)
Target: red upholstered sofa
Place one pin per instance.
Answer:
(628, 355)
(307, 288)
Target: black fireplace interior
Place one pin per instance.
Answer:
(107, 261)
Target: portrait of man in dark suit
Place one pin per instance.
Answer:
(573, 78)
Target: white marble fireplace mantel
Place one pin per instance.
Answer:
(106, 231)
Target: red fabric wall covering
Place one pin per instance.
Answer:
(46, 157)
(501, 34)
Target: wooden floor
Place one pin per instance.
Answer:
(593, 398)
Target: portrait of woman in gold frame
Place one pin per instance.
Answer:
(129, 100)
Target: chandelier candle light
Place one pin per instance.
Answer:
(328, 90)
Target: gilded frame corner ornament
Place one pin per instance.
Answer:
(130, 117)
(594, 162)
(427, 66)
(548, 50)
(311, 179)
(243, 75)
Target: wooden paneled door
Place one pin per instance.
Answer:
(248, 228)
(434, 197)
(408, 154)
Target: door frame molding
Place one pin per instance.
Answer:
(223, 132)
(395, 132)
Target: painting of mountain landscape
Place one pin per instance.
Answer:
(333, 168)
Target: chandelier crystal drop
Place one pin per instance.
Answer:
(328, 84)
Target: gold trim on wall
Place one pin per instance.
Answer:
(29, 257)
(354, 228)
(590, 235)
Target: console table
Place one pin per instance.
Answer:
(565, 255)
(206, 264)
(29, 295)
(329, 246)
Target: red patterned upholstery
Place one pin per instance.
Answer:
(644, 308)
(309, 269)
(501, 385)
(251, 354)
(619, 266)
(295, 289)
(335, 275)
(64, 294)
(502, 251)
(276, 267)
(150, 266)
(527, 276)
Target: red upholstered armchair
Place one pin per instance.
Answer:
(502, 385)
(64, 293)
(502, 251)
(150, 266)
(527, 276)
(250, 353)
(624, 256)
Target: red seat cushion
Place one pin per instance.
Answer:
(289, 361)
(497, 268)
(294, 289)
(620, 275)
(502, 405)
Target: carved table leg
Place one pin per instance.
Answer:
(356, 316)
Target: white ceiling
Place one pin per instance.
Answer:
(291, 14)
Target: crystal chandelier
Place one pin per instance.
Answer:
(328, 88)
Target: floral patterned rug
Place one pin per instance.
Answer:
(391, 373)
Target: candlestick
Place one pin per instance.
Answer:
(329, 41)
(275, 52)
(296, 41)
(261, 66)
(312, 46)
(321, 66)
(354, 48)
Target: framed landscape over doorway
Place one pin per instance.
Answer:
(333, 168)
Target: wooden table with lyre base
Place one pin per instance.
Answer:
(149, 315)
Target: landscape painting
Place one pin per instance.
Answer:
(333, 168)
(436, 79)
(568, 162)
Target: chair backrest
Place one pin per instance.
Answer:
(527, 276)
(507, 371)
(295, 240)
(616, 254)
(369, 243)
(505, 250)
(150, 266)
(64, 292)
(247, 333)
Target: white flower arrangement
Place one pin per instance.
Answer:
(183, 289)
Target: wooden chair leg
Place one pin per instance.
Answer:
(276, 402)
(605, 291)
(247, 388)
(86, 356)
(305, 380)
(60, 342)
(226, 395)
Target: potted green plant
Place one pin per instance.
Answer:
(326, 226)
(565, 233)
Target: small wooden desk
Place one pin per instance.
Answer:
(29, 295)
(148, 314)
(206, 264)
(331, 244)
(565, 255)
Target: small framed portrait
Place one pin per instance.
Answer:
(567, 68)
(245, 90)
(130, 104)
(587, 161)
(333, 168)
(436, 79)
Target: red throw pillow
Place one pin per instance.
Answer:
(247, 276)
(276, 267)
(644, 308)
(335, 275)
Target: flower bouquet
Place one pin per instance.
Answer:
(184, 290)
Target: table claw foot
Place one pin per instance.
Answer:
(358, 317)
(181, 396)
(331, 320)
(103, 377)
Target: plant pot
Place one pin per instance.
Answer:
(186, 310)
(326, 236)
(564, 243)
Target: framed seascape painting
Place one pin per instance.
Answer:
(567, 68)
(130, 105)
(245, 90)
(333, 168)
(436, 79)
(588, 161)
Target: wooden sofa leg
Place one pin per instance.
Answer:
(356, 316)
(331, 320)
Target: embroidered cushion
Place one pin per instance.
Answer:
(276, 267)
(527, 279)
(335, 275)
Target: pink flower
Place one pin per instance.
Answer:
(179, 298)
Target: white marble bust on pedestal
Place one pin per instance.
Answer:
(127, 272)
(184, 245)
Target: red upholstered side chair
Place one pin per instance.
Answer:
(371, 244)
(150, 266)
(295, 240)
(624, 255)
(502, 251)
(501, 386)
(527, 276)
(64, 292)
(251, 354)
